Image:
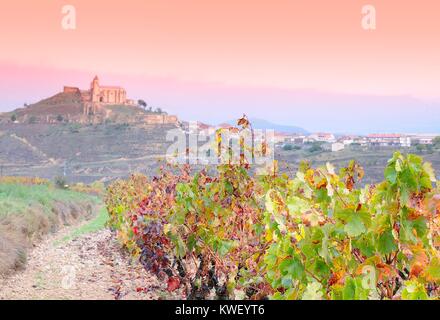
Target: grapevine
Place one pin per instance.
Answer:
(228, 234)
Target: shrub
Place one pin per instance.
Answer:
(315, 147)
(33, 120)
(290, 147)
(24, 180)
(60, 182)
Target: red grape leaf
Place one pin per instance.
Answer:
(173, 284)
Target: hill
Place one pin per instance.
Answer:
(84, 135)
(63, 103)
(84, 152)
(69, 107)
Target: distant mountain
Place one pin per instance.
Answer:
(264, 124)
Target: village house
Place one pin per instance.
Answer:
(322, 137)
(349, 139)
(388, 140)
(337, 146)
(421, 138)
(333, 147)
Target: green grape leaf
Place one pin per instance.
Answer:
(297, 205)
(414, 291)
(366, 245)
(321, 268)
(191, 242)
(354, 290)
(355, 227)
(313, 291)
(293, 267)
(228, 187)
(433, 270)
(391, 174)
(386, 243)
(427, 167)
(271, 257)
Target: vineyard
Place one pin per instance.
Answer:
(229, 234)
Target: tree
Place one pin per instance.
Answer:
(142, 103)
(60, 118)
(60, 182)
(420, 147)
(33, 119)
(316, 147)
(158, 110)
(436, 142)
(290, 147)
(430, 148)
(13, 118)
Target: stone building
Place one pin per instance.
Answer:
(99, 95)
(160, 119)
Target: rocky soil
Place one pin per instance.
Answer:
(90, 267)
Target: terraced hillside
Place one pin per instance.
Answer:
(86, 153)
(83, 152)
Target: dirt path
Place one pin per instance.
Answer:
(89, 267)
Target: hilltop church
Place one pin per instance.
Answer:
(99, 95)
(95, 105)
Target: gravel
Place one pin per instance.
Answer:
(91, 267)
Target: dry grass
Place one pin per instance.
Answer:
(28, 212)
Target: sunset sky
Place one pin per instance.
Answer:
(297, 62)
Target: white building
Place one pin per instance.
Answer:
(423, 138)
(322, 137)
(337, 146)
(405, 142)
(347, 142)
(387, 140)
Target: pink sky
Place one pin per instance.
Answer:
(274, 45)
(282, 43)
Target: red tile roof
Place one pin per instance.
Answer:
(384, 135)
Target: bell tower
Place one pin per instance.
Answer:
(95, 97)
(94, 90)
